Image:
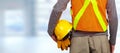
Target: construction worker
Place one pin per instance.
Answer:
(90, 21)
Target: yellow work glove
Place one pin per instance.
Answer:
(63, 44)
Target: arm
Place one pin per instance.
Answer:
(113, 20)
(113, 23)
(58, 8)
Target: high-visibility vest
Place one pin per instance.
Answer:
(89, 15)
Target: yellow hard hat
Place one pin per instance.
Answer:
(62, 28)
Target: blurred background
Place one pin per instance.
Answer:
(23, 26)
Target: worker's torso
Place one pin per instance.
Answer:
(88, 21)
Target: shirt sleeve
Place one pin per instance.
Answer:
(113, 21)
(58, 8)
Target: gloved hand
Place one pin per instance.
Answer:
(63, 44)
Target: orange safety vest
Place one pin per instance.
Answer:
(89, 15)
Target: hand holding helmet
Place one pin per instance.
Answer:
(62, 32)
